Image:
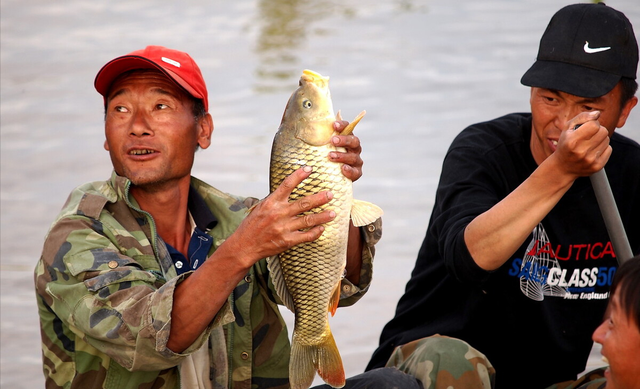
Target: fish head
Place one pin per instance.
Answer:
(309, 112)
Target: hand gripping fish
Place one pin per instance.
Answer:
(307, 276)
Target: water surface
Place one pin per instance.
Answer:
(422, 69)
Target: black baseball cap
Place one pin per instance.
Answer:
(585, 51)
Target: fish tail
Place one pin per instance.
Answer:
(323, 357)
(330, 363)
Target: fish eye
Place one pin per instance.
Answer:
(306, 104)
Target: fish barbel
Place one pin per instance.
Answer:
(307, 276)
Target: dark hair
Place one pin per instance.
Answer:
(626, 285)
(629, 87)
(198, 108)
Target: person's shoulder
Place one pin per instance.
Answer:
(215, 197)
(507, 129)
(89, 199)
(625, 156)
(506, 123)
(619, 139)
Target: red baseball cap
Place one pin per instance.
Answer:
(176, 65)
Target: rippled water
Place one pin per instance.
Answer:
(422, 69)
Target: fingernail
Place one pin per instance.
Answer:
(335, 140)
(307, 169)
(337, 125)
(332, 214)
(333, 155)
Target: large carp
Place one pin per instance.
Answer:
(307, 276)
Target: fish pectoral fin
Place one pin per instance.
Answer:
(364, 212)
(335, 299)
(277, 278)
(351, 126)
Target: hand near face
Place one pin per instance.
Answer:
(584, 147)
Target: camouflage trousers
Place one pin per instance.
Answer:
(382, 378)
(591, 380)
(441, 362)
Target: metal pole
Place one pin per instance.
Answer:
(611, 216)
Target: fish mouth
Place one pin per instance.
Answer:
(314, 78)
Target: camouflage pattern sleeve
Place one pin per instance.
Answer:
(350, 293)
(119, 303)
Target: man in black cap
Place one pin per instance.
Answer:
(517, 261)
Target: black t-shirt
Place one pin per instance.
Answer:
(534, 316)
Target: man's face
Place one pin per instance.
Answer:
(151, 132)
(619, 336)
(552, 111)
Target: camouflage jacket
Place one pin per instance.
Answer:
(105, 284)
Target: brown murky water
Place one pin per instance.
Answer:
(422, 69)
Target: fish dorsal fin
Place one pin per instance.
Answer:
(364, 212)
(352, 125)
(277, 277)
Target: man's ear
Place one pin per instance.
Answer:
(626, 110)
(205, 129)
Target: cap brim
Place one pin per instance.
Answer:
(112, 70)
(572, 79)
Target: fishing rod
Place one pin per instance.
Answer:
(611, 216)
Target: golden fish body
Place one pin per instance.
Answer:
(307, 276)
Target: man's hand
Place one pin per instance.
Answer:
(274, 225)
(583, 148)
(352, 168)
(270, 228)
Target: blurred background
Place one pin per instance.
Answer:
(422, 69)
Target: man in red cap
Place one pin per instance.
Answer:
(154, 279)
(517, 260)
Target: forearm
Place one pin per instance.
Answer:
(354, 254)
(493, 236)
(200, 297)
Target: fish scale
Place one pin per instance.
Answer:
(307, 276)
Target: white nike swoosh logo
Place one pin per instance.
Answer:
(589, 50)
